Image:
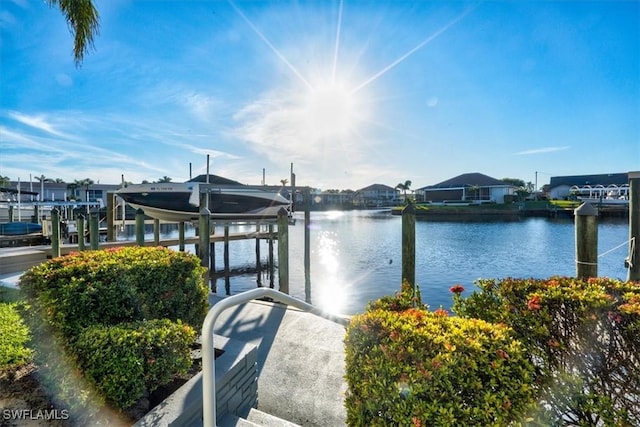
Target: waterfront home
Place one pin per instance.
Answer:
(376, 195)
(468, 188)
(595, 186)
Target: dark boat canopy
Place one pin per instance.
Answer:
(214, 179)
(15, 191)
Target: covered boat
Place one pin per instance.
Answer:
(19, 228)
(227, 199)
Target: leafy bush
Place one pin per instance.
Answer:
(15, 336)
(409, 366)
(124, 361)
(583, 336)
(92, 316)
(118, 285)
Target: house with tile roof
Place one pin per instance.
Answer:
(469, 187)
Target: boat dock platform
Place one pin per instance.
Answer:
(17, 259)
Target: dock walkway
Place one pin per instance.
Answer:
(16, 259)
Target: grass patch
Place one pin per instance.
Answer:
(15, 336)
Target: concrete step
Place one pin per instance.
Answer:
(256, 418)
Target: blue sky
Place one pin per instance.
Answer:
(351, 92)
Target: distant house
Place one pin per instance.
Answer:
(376, 195)
(561, 187)
(468, 187)
(58, 191)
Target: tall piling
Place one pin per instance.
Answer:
(80, 229)
(140, 227)
(55, 233)
(258, 263)
(203, 238)
(283, 250)
(226, 251)
(307, 245)
(633, 261)
(111, 210)
(156, 231)
(271, 263)
(586, 228)
(94, 230)
(181, 236)
(409, 244)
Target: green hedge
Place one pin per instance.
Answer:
(583, 337)
(125, 361)
(95, 318)
(408, 366)
(112, 286)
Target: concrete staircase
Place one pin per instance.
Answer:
(255, 418)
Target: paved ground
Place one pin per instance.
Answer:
(301, 361)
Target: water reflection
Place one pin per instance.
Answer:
(329, 290)
(356, 256)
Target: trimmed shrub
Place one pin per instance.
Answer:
(413, 367)
(92, 319)
(112, 286)
(583, 336)
(125, 361)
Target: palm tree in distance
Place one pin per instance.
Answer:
(82, 18)
(284, 182)
(86, 183)
(72, 186)
(404, 188)
(164, 179)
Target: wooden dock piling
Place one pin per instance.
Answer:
(111, 199)
(55, 233)
(283, 250)
(307, 245)
(203, 226)
(80, 231)
(586, 228)
(633, 262)
(258, 262)
(94, 230)
(409, 244)
(226, 251)
(140, 227)
(156, 231)
(181, 236)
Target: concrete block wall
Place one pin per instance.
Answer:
(236, 389)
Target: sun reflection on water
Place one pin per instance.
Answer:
(330, 288)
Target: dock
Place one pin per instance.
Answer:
(17, 259)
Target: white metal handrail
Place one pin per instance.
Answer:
(208, 357)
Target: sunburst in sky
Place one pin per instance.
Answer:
(352, 93)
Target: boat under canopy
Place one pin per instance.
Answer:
(227, 199)
(19, 228)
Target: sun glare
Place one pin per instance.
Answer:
(330, 110)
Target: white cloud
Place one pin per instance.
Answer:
(542, 150)
(64, 80)
(39, 122)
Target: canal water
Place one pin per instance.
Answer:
(356, 256)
